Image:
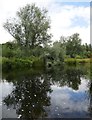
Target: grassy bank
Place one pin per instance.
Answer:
(34, 62)
(77, 61)
(20, 63)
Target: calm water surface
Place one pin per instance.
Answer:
(60, 92)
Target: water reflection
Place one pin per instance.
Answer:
(69, 75)
(90, 90)
(29, 96)
(58, 92)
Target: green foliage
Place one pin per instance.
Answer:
(57, 51)
(83, 60)
(78, 57)
(37, 62)
(6, 51)
(18, 63)
(30, 28)
(0, 60)
(77, 61)
(73, 45)
(70, 61)
(9, 64)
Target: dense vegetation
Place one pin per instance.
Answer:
(32, 44)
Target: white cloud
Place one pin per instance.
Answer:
(62, 22)
(62, 17)
(65, 97)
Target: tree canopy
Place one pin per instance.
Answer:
(30, 27)
(73, 46)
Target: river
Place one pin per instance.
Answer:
(60, 92)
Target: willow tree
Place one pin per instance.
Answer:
(30, 27)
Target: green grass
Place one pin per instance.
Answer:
(76, 61)
(18, 63)
(86, 60)
(34, 62)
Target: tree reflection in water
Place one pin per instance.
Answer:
(69, 76)
(30, 94)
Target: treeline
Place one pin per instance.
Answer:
(66, 47)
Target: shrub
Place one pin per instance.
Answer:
(78, 57)
(83, 60)
(38, 62)
(17, 63)
(70, 61)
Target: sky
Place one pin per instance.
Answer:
(67, 17)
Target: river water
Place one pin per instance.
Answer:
(60, 92)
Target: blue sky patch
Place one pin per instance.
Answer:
(77, 4)
(79, 21)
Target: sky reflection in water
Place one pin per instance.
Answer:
(50, 94)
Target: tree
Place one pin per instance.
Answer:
(73, 45)
(30, 27)
(57, 51)
(7, 49)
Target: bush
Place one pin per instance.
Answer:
(78, 57)
(70, 61)
(17, 63)
(6, 64)
(83, 60)
(22, 63)
(38, 62)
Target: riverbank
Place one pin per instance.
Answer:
(77, 61)
(21, 63)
